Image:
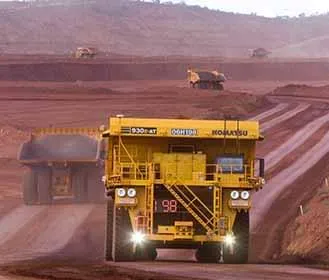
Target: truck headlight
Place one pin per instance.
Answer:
(245, 195)
(121, 192)
(131, 192)
(229, 239)
(138, 237)
(234, 194)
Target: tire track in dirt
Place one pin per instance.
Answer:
(229, 272)
(295, 141)
(277, 108)
(5, 278)
(64, 221)
(262, 201)
(13, 222)
(285, 116)
(287, 175)
(50, 230)
(303, 135)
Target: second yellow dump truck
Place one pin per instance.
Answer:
(205, 79)
(175, 183)
(63, 164)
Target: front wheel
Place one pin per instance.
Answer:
(220, 86)
(146, 252)
(109, 231)
(208, 253)
(123, 247)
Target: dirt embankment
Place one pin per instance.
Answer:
(307, 234)
(110, 71)
(295, 237)
(302, 90)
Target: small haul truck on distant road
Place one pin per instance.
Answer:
(205, 79)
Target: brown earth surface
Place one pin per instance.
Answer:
(302, 90)
(64, 234)
(304, 237)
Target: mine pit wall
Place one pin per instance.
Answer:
(306, 186)
(108, 71)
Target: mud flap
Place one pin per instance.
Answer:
(30, 187)
(79, 184)
(44, 185)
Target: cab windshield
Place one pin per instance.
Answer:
(230, 164)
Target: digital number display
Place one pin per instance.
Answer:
(166, 206)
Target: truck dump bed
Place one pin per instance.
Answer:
(61, 145)
(63, 163)
(210, 76)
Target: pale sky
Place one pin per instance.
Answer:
(269, 8)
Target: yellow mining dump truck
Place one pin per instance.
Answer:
(175, 183)
(205, 79)
(63, 164)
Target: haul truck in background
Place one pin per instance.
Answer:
(205, 79)
(85, 52)
(180, 184)
(63, 164)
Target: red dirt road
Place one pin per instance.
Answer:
(231, 272)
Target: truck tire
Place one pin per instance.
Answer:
(241, 246)
(146, 252)
(203, 85)
(208, 253)
(44, 185)
(30, 187)
(79, 185)
(220, 86)
(151, 253)
(122, 248)
(109, 231)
